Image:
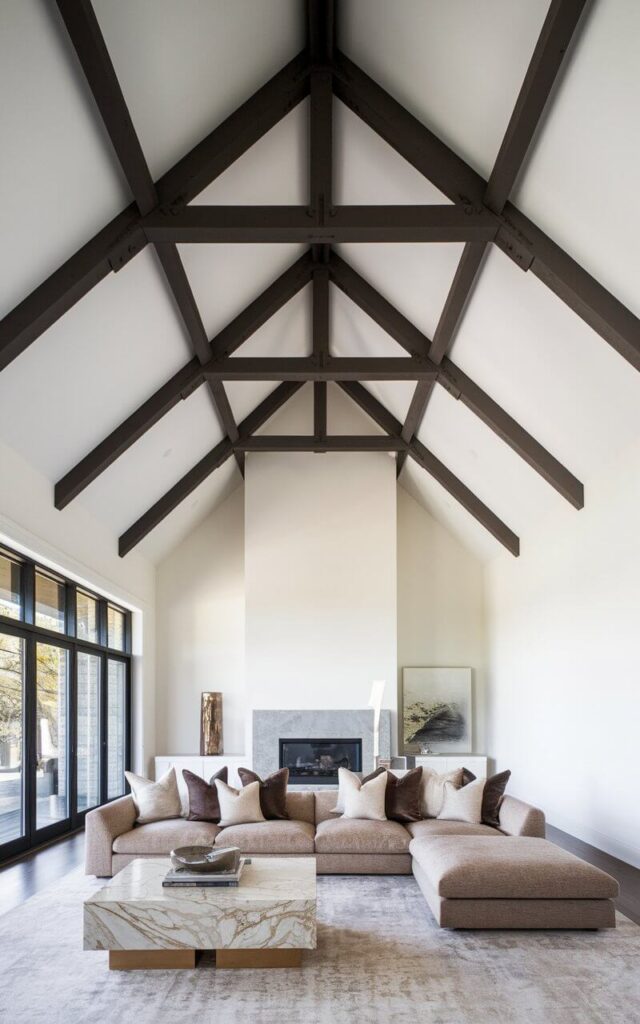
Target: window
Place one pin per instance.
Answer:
(115, 628)
(116, 726)
(10, 588)
(51, 735)
(86, 617)
(88, 731)
(12, 664)
(65, 703)
(50, 603)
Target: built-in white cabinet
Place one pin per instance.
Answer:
(205, 767)
(476, 763)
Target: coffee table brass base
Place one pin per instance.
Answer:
(257, 958)
(151, 959)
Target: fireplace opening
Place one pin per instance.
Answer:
(317, 761)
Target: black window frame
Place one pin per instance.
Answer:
(26, 629)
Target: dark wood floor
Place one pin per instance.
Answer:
(36, 871)
(39, 869)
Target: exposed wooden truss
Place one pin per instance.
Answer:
(559, 27)
(480, 215)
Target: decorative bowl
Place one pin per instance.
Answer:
(204, 858)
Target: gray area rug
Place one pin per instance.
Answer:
(380, 958)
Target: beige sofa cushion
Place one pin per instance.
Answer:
(325, 801)
(276, 836)
(439, 827)
(161, 837)
(301, 806)
(517, 867)
(355, 835)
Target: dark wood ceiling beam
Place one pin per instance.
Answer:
(461, 387)
(183, 383)
(335, 443)
(180, 386)
(199, 473)
(428, 461)
(85, 34)
(306, 368)
(550, 52)
(184, 298)
(113, 246)
(256, 224)
(455, 381)
(517, 236)
(369, 299)
(70, 283)
(273, 298)
(450, 317)
(320, 408)
(557, 31)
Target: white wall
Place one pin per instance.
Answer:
(320, 567)
(200, 621)
(78, 545)
(440, 603)
(564, 654)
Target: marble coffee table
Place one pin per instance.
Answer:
(266, 921)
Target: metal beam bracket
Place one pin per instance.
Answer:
(130, 246)
(515, 247)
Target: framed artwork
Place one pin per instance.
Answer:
(437, 710)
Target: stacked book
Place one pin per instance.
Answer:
(177, 877)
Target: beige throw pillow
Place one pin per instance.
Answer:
(432, 791)
(239, 806)
(362, 800)
(463, 804)
(155, 801)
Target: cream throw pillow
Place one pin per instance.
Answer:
(155, 801)
(239, 806)
(432, 791)
(361, 800)
(463, 804)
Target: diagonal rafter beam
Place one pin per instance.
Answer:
(557, 32)
(118, 242)
(456, 382)
(85, 34)
(212, 461)
(183, 383)
(428, 461)
(517, 236)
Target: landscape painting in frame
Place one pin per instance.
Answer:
(436, 706)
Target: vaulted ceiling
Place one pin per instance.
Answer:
(384, 260)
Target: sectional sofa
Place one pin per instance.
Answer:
(472, 876)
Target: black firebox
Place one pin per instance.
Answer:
(317, 760)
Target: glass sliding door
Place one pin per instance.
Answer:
(12, 788)
(87, 731)
(52, 735)
(116, 727)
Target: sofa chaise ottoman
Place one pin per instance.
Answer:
(515, 882)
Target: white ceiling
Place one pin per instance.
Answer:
(184, 66)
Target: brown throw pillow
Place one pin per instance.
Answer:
(203, 796)
(494, 789)
(402, 797)
(273, 792)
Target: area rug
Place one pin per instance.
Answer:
(380, 958)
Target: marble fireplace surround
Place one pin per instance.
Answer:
(271, 726)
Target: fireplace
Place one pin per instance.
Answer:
(317, 760)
